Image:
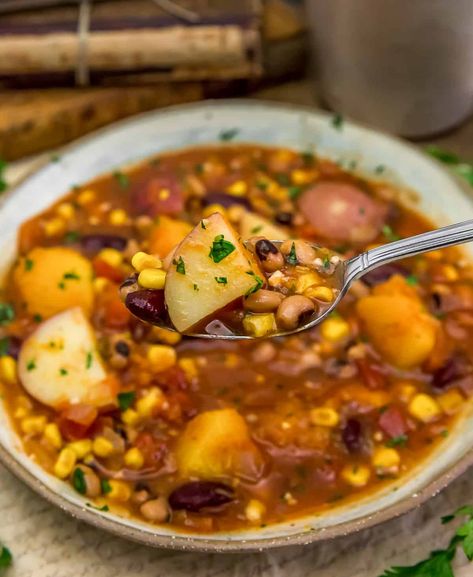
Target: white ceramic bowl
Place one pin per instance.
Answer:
(439, 196)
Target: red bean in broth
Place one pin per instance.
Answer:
(352, 435)
(453, 370)
(91, 244)
(147, 305)
(342, 212)
(160, 195)
(198, 495)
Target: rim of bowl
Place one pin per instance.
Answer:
(187, 542)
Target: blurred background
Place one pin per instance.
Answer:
(68, 67)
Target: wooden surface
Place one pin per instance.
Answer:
(47, 543)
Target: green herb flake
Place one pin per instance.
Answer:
(63, 372)
(202, 225)
(199, 168)
(37, 318)
(389, 234)
(71, 276)
(221, 279)
(4, 345)
(308, 158)
(196, 288)
(262, 185)
(3, 182)
(6, 557)
(89, 359)
(104, 508)
(122, 179)
(78, 481)
(61, 285)
(180, 265)
(55, 157)
(326, 262)
(399, 441)
(442, 155)
(71, 237)
(105, 486)
(125, 400)
(256, 229)
(379, 169)
(412, 280)
(337, 121)
(29, 263)
(220, 249)
(444, 433)
(294, 192)
(7, 313)
(292, 256)
(283, 179)
(31, 365)
(258, 284)
(227, 135)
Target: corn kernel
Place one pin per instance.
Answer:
(8, 370)
(166, 336)
(100, 283)
(102, 447)
(189, 366)
(111, 256)
(119, 491)
(231, 360)
(134, 458)
(130, 417)
(424, 408)
(152, 278)
(324, 416)
(451, 401)
(260, 325)
(33, 425)
(54, 226)
(450, 273)
(406, 391)
(321, 293)
(52, 434)
(81, 448)
(255, 510)
(23, 407)
(235, 212)
(65, 210)
(301, 177)
(86, 197)
(142, 260)
(118, 217)
(161, 357)
(356, 475)
(153, 399)
(65, 463)
(304, 281)
(237, 188)
(385, 459)
(334, 329)
(213, 208)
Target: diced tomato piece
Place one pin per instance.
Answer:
(116, 315)
(160, 195)
(153, 450)
(371, 374)
(102, 268)
(76, 421)
(392, 422)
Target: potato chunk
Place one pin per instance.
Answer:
(218, 443)
(211, 268)
(253, 224)
(397, 324)
(51, 280)
(59, 364)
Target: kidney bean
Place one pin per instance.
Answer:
(383, 273)
(352, 435)
(93, 243)
(225, 200)
(13, 346)
(146, 304)
(198, 495)
(284, 218)
(454, 369)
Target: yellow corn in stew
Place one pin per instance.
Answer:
(214, 435)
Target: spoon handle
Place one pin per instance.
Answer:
(440, 238)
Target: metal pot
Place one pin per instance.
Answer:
(405, 66)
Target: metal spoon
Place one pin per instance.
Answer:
(350, 270)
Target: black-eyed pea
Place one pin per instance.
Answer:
(305, 253)
(263, 301)
(292, 309)
(156, 510)
(269, 256)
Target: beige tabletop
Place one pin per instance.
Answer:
(46, 542)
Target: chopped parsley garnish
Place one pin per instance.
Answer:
(256, 229)
(37, 318)
(439, 563)
(6, 557)
(202, 225)
(283, 179)
(7, 313)
(337, 121)
(412, 280)
(61, 285)
(31, 365)
(221, 248)
(122, 179)
(63, 372)
(226, 135)
(71, 276)
(294, 192)
(71, 237)
(105, 486)
(3, 182)
(444, 433)
(399, 441)
(261, 184)
(258, 283)
(104, 508)
(55, 158)
(308, 158)
(221, 279)
(199, 168)
(326, 262)
(463, 169)
(292, 256)
(29, 263)
(78, 481)
(125, 400)
(89, 359)
(4, 345)
(380, 169)
(389, 234)
(196, 288)
(180, 265)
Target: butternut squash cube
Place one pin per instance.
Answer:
(167, 234)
